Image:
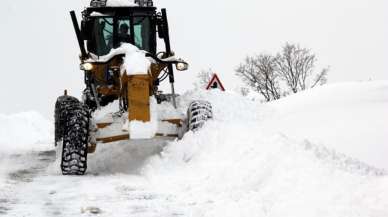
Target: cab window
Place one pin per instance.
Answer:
(101, 41)
(141, 29)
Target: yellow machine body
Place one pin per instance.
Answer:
(136, 91)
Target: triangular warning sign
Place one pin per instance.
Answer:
(215, 83)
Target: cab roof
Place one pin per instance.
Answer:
(120, 11)
(121, 3)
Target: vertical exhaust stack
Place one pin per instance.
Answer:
(169, 53)
(78, 33)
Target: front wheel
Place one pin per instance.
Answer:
(75, 135)
(198, 113)
(61, 108)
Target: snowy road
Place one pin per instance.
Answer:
(35, 188)
(11, 178)
(19, 170)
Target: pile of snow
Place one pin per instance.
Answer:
(242, 164)
(103, 115)
(135, 60)
(25, 131)
(349, 117)
(166, 110)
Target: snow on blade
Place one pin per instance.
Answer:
(141, 130)
(103, 116)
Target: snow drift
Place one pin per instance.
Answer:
(24, 131)
(20, 133)
(242, 164)
(347, 117)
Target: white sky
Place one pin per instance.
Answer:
(39, 51)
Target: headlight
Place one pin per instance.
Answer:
(86, 66)
(182, 66)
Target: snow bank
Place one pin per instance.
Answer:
(225, 173)
(349, 117)
(25, 131)
(242, 164)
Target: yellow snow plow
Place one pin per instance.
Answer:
(123, 70)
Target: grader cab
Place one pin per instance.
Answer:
(123, 69)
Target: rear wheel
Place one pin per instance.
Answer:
(198, 113)
(73, 128)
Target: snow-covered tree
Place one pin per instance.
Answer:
(203, 78)
(259, 72)
(290, 71)
(296, 67)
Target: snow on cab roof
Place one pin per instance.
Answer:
(121, 3)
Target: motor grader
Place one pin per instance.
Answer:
(118, 102)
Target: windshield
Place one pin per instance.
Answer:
(102, 38)
(141, 31)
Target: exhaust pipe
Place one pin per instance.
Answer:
(168, 51)
(78, 33)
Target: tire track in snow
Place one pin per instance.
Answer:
(112, 186)
(21, 169)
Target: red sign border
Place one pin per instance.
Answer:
(215, 78)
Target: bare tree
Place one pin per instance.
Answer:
(293, 68)
(259, 72)
(295, 65)
(244, 91)
(203, 78)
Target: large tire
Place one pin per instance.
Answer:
(73, 124)
(198, 113)
(60, 114)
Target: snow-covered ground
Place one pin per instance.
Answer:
(348, 117)
(317, 153)
(24, 131)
